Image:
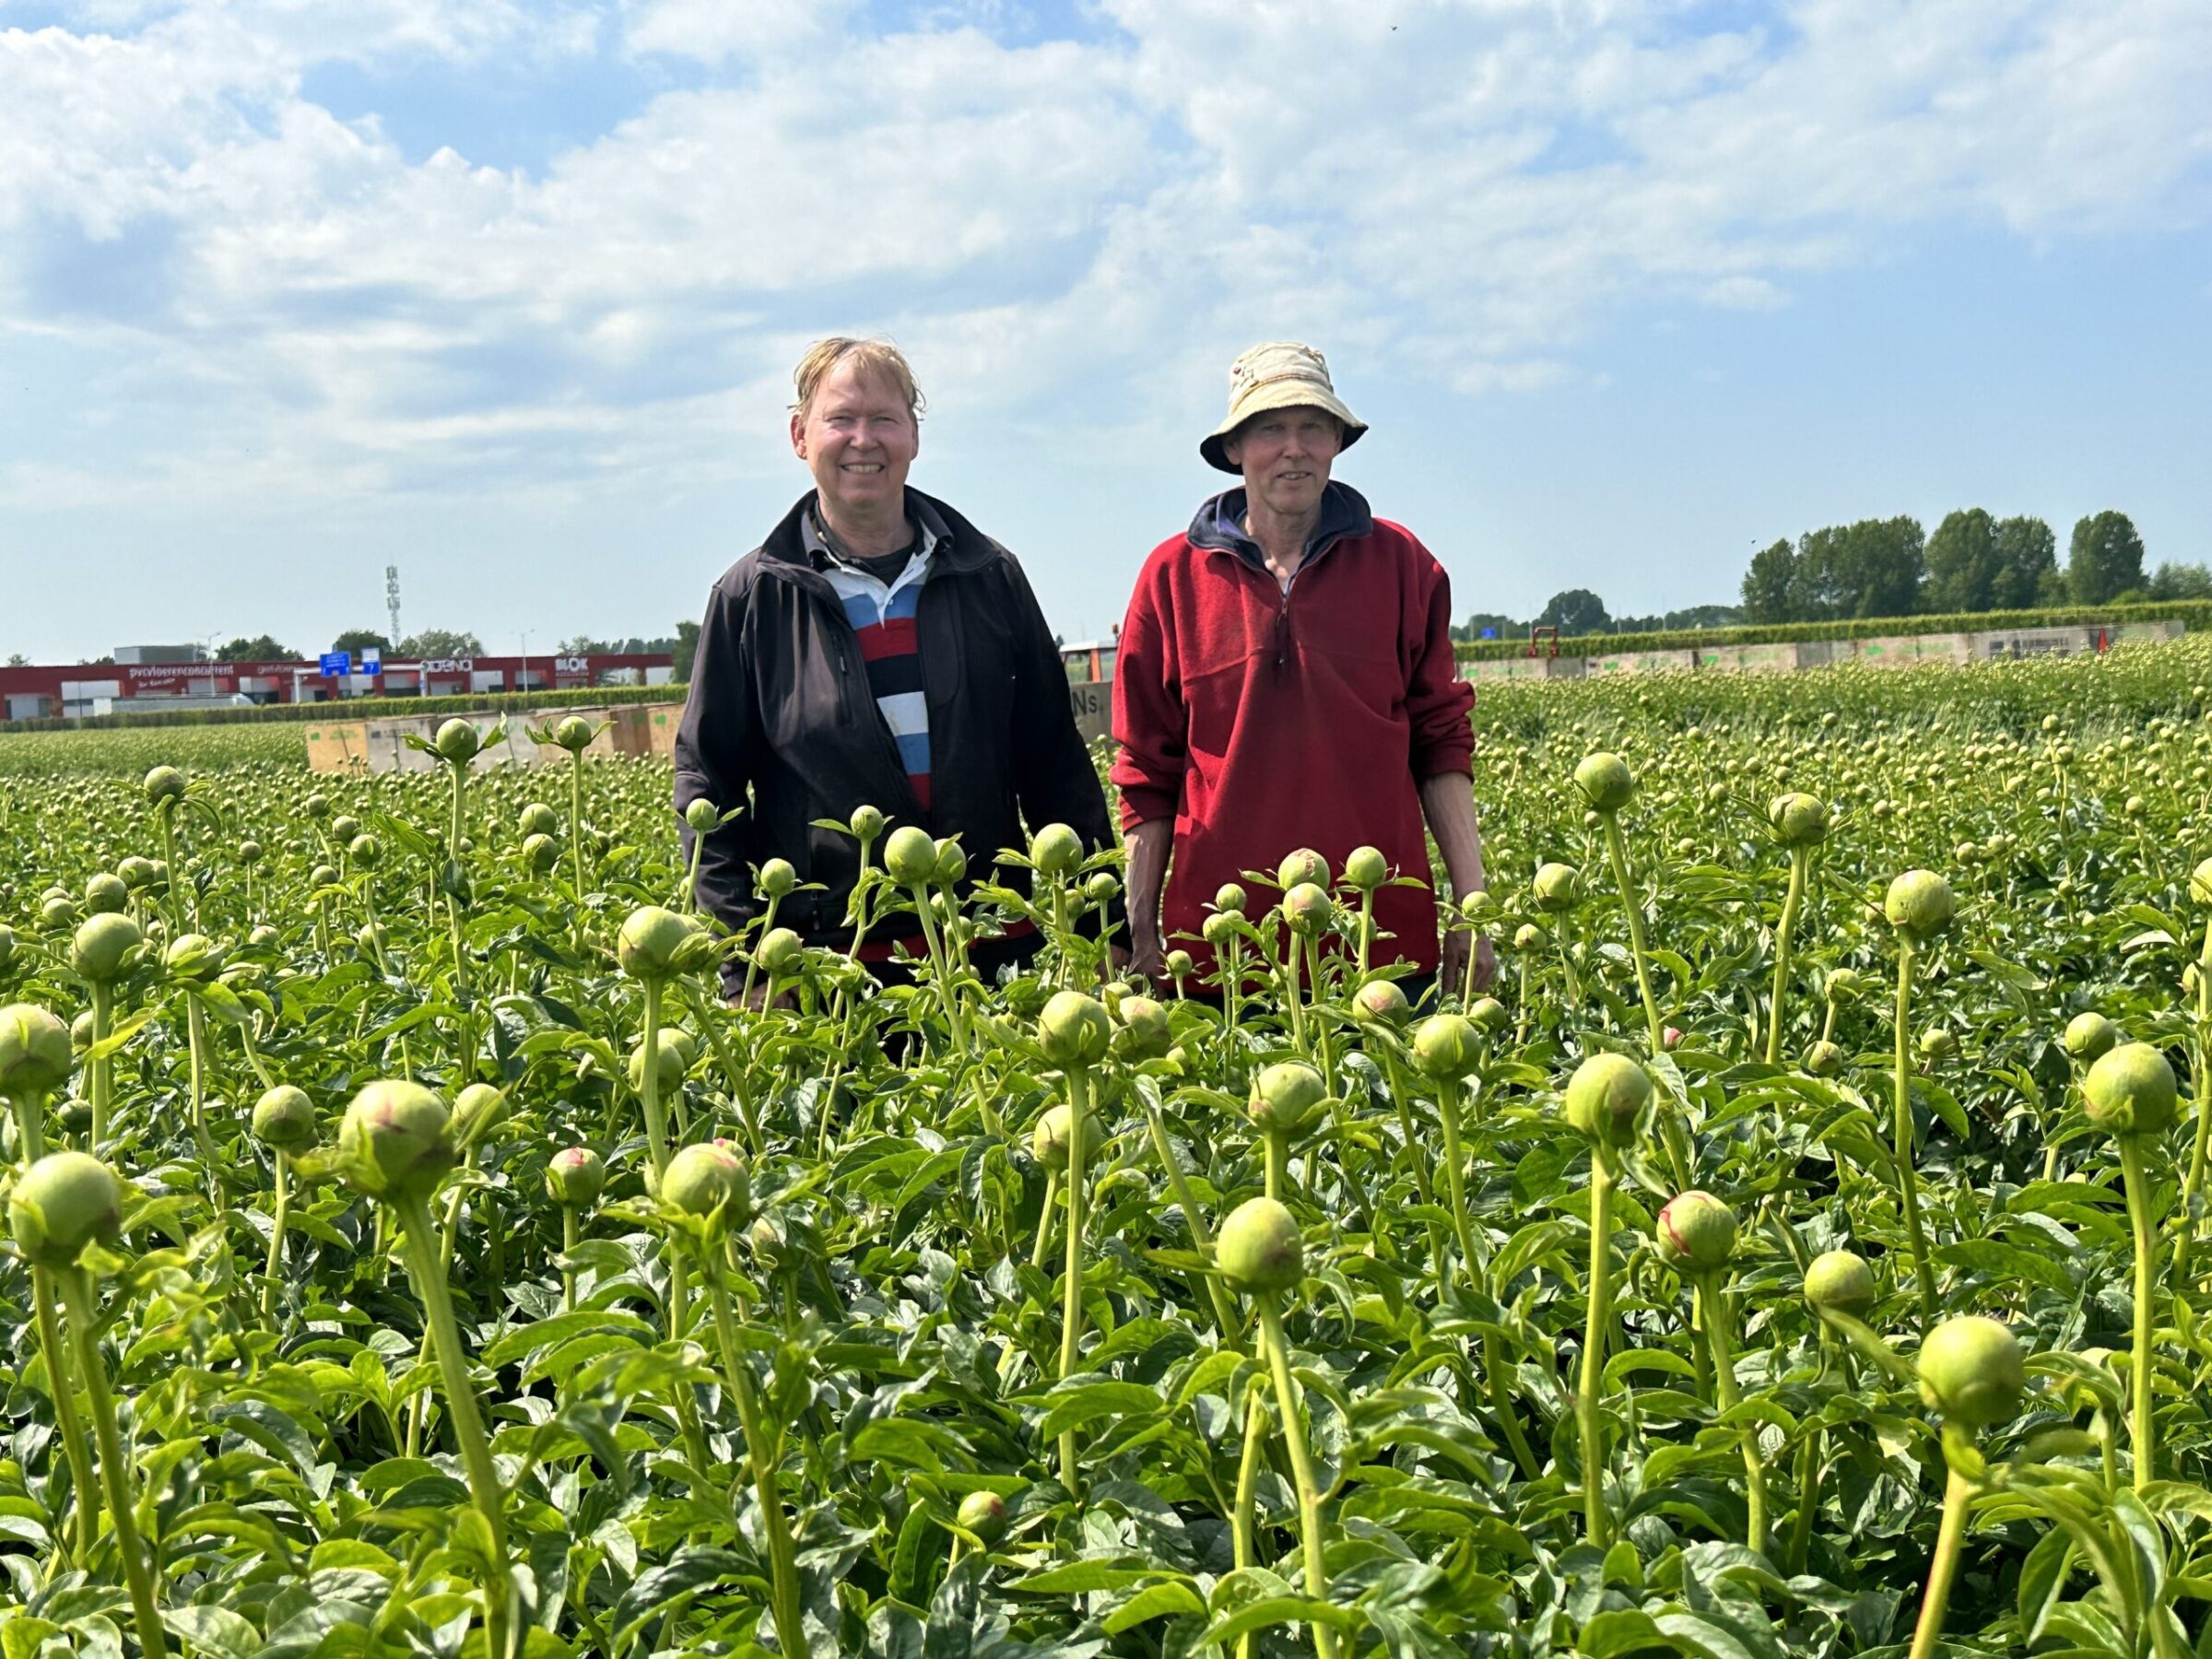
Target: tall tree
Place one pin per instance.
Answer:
(2180, 581)
(687, 648)
(1962, 562)
(354, 640)
(2105, 560)
(2026, 563)
(1575, 611)
(261, 648)
(1883, 563)
(1771, 590)
(434, 644)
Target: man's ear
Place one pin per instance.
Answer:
(798, 434)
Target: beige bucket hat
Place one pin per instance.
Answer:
(1281, 374)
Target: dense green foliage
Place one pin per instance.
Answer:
(359, 708)
(921, 1344)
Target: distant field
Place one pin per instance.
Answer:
(196, 748)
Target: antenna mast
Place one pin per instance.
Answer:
(392, 600)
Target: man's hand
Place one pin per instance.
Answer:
(1452, 969)
(1147, 958)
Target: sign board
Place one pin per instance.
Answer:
(373, 659)
(337, 662)
(450, 666)
(572, 664)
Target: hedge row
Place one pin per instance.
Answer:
(357, 708)
(2193, 613)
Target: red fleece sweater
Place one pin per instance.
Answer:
(1262, 722)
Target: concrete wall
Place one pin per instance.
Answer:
(381, 745)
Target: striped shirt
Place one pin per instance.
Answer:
(883, 616)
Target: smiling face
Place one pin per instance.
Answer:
(858, 437)
(1284, 456)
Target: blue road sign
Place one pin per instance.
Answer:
(337, 662)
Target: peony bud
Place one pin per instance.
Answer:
(1303, 865)
(911, 856)
(1799, 820)
(1285, 1095)
(1365, 869)
(1055, 1131)
(1447, 1046)
(657, 944)
(65, 1202)
(36, 1056)
(702, 816)
(164, 786)
(1971, 1370)
(1229, 897)
(2130, 1091)
(457, 741)
(1074, 1029)
(706, 1179)
(985, 1514)
(1558, 886)
(284, 1119)
(1696, 1233)
(106, 948)
(1841, 1280)
(1606, 782)
(2090, 1037)
(1260, 1249)
(1919, 905)
(395, 1141)
(1382, 1003)
(1056, 850)
(536, 818)
(574, 734)
(1307, 909)
(777, 878)
(574, 1177)
(1607, 1097)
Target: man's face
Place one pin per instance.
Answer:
(858, 437)
(1284, 456)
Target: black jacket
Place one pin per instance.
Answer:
(780, 708)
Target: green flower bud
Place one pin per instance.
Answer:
(911, 856)
(1307, 909)
(777, 878)
(2200, 882)
(249, 852)
(106, 948)
(952, 866)
(985, 1514)
(323, 875)
(1447, 1046)
(1177, 963)
(1971, 1370)
(866, 823)
(1606, 782)
(702, 816)
(1054, 1133)
(65, 1202)
(1696, 1233)
(57, 914)
(1528, 935)
(1056, 850)
(657, 943)
(192, 957)
(536, 818)
(36, 1056)
(540, 852)
(1844, 986)
(573, 734)
(1824, 1059)
(1488, 1014)
(704, 1179)
(780, 951)
(315, 807)
(457, 741)
(1230, 897)
(1365, 869)
(1382, 1003)
(164, 786)
(477, 1111)
(2130, 1091)
(105, 894)
(1260, 1250)
(1842, 1280)
(1799, 820)
(284, 1119)
(1103, 887)
(7, 945)
(1285, 1095)
(1558, 886)
(575, 1177)
(138, 873)
(1303, 865)
(1938, 1042)
(395, 1141)
(2090, 1037)
(1074, 1029)
(677, 1050)
(1144, 1027)
(1220, 927)
(1919, 905)
(1607, 1097)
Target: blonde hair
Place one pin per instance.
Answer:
(877, 355)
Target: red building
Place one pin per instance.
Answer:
(87, 688)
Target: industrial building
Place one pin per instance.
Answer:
(148, 677)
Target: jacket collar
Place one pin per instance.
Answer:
(1219, 523)
(955, 545)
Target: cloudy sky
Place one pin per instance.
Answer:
(508, 294)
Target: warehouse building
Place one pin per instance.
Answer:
(162, 678)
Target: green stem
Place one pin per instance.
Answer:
(1801, 860)
(1367, 929)
(1714, 1319)
(1071, 1315)
(2200, 1087)
(420, 1240)
(1598, 1318)
(1616, 849)
(274, 1270)
(104, 1069)
(1242, 1531)
(1906, 1183)
(1928, 1634)
(1045, 1220)
(569, 1241)
(576, 819)
(114, 1465)
(2143, 1429)
(1301, 1465)
(767, 925)
(1224, 1318)
(760, 1452)
(62, 1390)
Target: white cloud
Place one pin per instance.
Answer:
(1463, 193)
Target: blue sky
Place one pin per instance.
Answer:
(508, 294)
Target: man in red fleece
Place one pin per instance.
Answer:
(1285, 680)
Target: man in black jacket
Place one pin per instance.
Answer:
(877, 650)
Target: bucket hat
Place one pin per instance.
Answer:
(1281, 374)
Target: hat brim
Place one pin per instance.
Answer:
(1282, 394)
